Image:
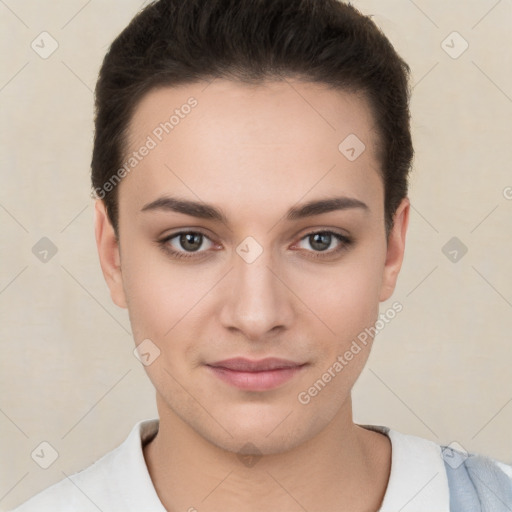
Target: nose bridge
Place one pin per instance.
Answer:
(258, 302)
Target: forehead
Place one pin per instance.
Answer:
(228, 140)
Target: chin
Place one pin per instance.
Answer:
(265, 438)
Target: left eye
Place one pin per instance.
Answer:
(322, 240)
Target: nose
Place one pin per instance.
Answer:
(257, 302)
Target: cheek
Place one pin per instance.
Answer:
(160, 295)
(164, 307)
(346, 297)
(349, 304)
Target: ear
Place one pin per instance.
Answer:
(395, 249)
(108, 250)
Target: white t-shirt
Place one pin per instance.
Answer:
(120, 481)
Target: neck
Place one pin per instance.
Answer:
(344, 467)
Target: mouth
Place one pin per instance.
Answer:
(260, 375)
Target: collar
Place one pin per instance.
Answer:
(417, 481)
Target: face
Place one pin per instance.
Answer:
(246, 232)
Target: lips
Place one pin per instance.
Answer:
(261, 375)
(240, 364)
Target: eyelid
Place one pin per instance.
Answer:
(335, 231)
(184, 231)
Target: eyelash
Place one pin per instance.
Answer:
(345, 243)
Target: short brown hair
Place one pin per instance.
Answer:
(174, 42)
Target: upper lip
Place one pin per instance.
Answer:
(241, 364)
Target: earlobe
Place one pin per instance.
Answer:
(395, 250)
(108, 251)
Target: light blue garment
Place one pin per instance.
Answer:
(477, 483)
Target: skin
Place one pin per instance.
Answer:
(254, 152)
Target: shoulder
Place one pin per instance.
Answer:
(64, 495)
(447, 478)
(117, 481)
(79, 491)
(474, 478)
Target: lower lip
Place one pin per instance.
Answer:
(256, 381)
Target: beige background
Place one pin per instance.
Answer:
(440, 370)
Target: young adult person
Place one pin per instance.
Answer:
(250, 167)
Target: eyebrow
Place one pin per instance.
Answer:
(206, 211)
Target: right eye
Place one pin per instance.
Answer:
(186, 244)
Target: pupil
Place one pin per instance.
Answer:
(319, 239)
(191, 241)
